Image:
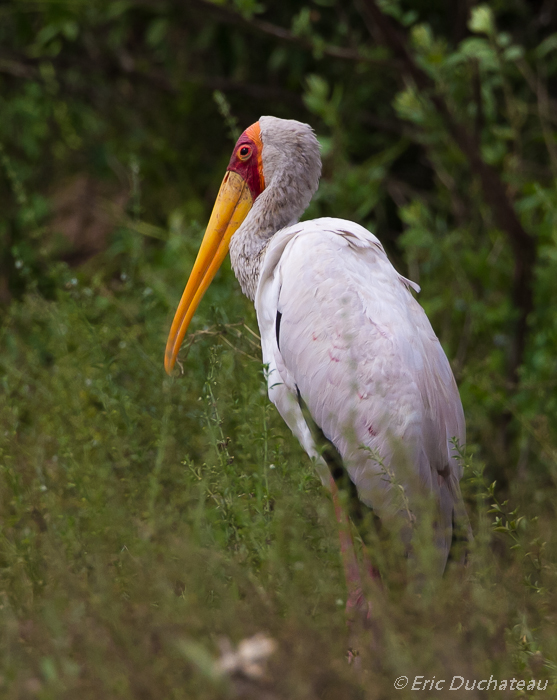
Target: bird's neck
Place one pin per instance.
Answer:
(249, 244)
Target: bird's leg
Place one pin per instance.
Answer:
(356, 601)
(358, 608)
(373, 571)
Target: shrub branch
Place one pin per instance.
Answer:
(522, 243)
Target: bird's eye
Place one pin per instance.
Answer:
(244, 153)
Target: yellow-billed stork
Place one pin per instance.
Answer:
(352, 358)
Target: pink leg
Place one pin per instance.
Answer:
(356, 600)
(372, 571)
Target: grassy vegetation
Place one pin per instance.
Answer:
(144, 518)
(147, 523)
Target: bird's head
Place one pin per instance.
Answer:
(275, 163)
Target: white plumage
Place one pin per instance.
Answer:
(362, 354)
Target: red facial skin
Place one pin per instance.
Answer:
(248, 165)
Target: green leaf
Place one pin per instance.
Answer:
(547, 45)
(157, 31)
(409, 17)
(480, 50)
(422, 37)
(70, 30)
(301, 23)
(481, 20)
(117, 8)
(391, 7)
(247, 8)
(407, 103)
(513, 53)
(47, 33)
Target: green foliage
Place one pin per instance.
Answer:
(144, 519)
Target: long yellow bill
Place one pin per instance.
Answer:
(233, 203)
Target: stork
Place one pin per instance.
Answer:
(353, 364)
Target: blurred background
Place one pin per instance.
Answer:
(140, 516)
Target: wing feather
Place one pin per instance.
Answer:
(363, 355)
